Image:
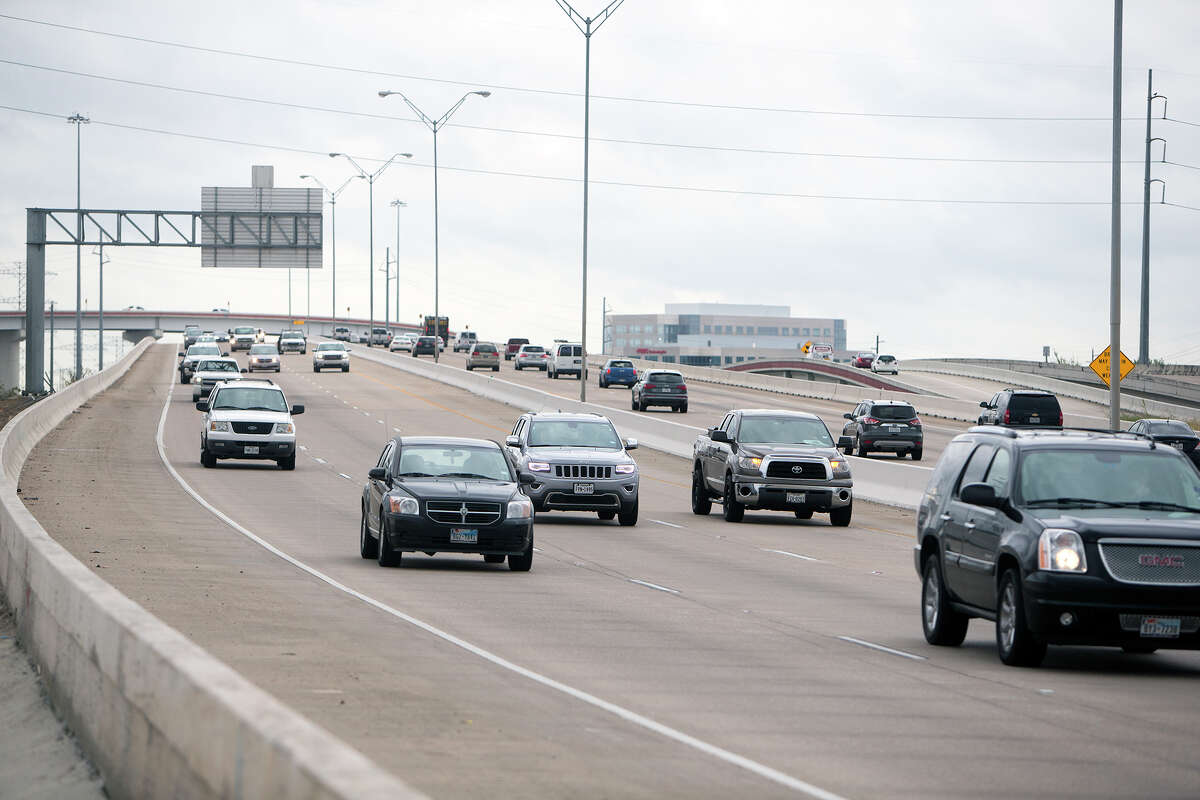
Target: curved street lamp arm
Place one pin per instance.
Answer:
(317, 181)
(584, 24)
(362, 172)
(344, 185)
(387, 164)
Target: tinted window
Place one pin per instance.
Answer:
(948, 466)
(569, 350)
(784, 430)
(617, 364)
(432, 461)
(573, 433)
(998, 472)
(485, 348)
(1040, 404)
(664, 378)
(893, 412)
(518, 341)
(1108, 475)
(978, 465)
(533, 348)
(1172, 428)
(204, 350)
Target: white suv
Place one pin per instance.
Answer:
(566, 359)
(248, 419)
(465, 341)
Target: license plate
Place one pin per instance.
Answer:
(251, 450)
(1160, 627)
(464, 535)
(584, 488)
(1177, 445)
(797, 497)
(1035, 419)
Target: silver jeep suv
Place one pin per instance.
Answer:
(248, 419)
(578, 463)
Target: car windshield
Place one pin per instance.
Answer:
(574, 433)
(217, 366)
(204, 350)
(243, 330)
(291, 335)
(262, 349)
(331, 346)
(1092, 478)
(664, 377)
(440, 461)
(784, 430)
(1171, 428)
(893, 412)
(250, 398)
(191, 330)
(620, 364)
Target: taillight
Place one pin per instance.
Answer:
(1006, 416)
(651, 385)
(870, 421)
(683, 387)
(1060, 418)
(915, 422)
(608, 372)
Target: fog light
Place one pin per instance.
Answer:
(1066, 619)
(844, 494)
(744, 491)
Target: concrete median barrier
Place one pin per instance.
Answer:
(156, 714)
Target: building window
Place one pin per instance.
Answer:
(768, 331)
(669, 359)
(740, 359)
(708, 328)
(739, 330)
(806, 332)
(728, 359)
(828, 332)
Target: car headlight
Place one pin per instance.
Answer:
(750, 462)
(625, 469)
(407, 506)
(520, 509)
(1061, 551)
(218, 427)
(840, 467)
(538, 466)
(285, 427)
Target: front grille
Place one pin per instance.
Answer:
(1152, 562)
(1133, 622)
(599, 501)
(582, 471)
(333, 357)
(260, 428)
(808, 470)
(450, 512)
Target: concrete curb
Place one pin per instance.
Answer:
(156, 714)
(899, 485)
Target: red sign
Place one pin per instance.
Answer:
(647, 350)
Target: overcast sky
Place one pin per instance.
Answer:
(931, 278)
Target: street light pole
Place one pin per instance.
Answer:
(398, 204)
(371, 176)
(333, 196)
(78, 120)
(100, 324)
(1114, 297)
(585, 26)
(435, 126)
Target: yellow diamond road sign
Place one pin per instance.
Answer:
(1100, 366)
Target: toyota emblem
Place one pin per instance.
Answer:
(797, 469)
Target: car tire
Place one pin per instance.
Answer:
(860, 448)
(493, 558)
(367, 546)
(517, 367)
(606, 515)
(277, 369)
(683, 409)
(316, 369)
(207, 459)
(385, 555)
(1017, 645)
(522, 562)
(701, 502)
(554, 375)
(185, 378)
(731, 509)
(628, 517)
(288, 463)
(916, 453)
(470, 368)
(803, 513)
(496, 368)
(840, 517)
(943, 626)
(195, 398)
(346, 368)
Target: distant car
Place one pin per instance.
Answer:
(1174, 432)
(1021, 407)
(248, 419)
(331, 355)
(220, 311)
(533, 356)
(260, 335)
(565, 359)
(402, 342)
(134, 308)
(886, 364)
(196, 352)
(222, 336)
(445, 495)
(424, 346)
(190, 334)
(885, 426)
(292, 341)
(659, 387)
(208, 372)
(342, 334)
(483, 355)
(243, 338)
(618, 372)
(206, 338)
(263, 357)
(465, 341)
(512, 346)
(864, 360)
(381, 336)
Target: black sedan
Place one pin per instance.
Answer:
(1173, 432)
(446, 494)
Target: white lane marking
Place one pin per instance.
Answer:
(379, 421)
(344, 475)
(397, 430)
(674, 734)
(537, 549)
(320, 460)
(345, 402)
(881, 648)
(326, 691)
(791, 555)
(668, 524)
(302, 447)
(366, 413)
(654, 586)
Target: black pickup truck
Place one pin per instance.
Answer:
(771, 460)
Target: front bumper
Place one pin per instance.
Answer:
(771, 494)
(419, 533)
(558, 494)
(241, 344)
(234, 446)
(272, 366)
(1097, 605)
(342, 361)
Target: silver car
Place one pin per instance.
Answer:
(331, 355)
(264, 357)
(211, 371)
(531, 356)
(578, 463)
(483, 355)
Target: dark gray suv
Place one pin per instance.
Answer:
(887, 426)
(578, 463)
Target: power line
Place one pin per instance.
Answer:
(622, 184)
(550, 92)
(1181, 122)
(1177, 164)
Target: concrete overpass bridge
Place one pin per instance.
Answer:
(813, 369)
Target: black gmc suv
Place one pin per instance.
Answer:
(1021, 407)
(1061, 537)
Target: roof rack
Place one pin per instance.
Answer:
(1011, 431)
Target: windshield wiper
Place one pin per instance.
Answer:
(1071, 502)
(1156, 505)
(414, 475)
(467, 475)
(262, 408)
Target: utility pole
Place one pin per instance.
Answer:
(78, 120)
(100, 325)
(52, 347)
(1144, 330)
(877, 345)
(398, 204)
(387, 276)
(1114, 306)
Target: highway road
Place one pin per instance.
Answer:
(685, 656)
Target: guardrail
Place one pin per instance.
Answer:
(155, 713)
(875, 481)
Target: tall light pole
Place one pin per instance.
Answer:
(333, 196)
(435, 126)
(100, 325)
(398, 204)
(371, 176)
(1114, 291)
(78, 120)
(587, 26)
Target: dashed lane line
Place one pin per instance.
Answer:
(654, 586)
(668, 524)
(791, 555)
(881, 648)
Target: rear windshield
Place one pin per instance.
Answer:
(1172, 428)
(620, 364)
(426, 340)
(784, 430)
(664, 377)
(485, 348)
(893, 412)
(887, 359)
(573, 433)
(1039, 403)
(570, 350)
(262, 349)
(518, 341)
(533, 348)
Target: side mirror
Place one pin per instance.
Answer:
(525, 479)
(224, 355)
(980, 494)
(512, 441)
(202, 405)
(848, 416)
(297, 409)
(182, 354)
(631, 444)
(721, 436)
(244, 370)
(984, 404)
(377, 473)
(845, 443)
